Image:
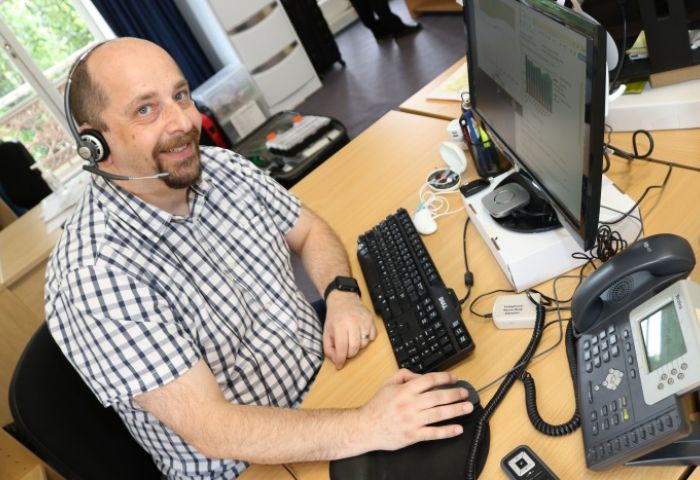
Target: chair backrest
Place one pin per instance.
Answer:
(65, 423)
(22, 185)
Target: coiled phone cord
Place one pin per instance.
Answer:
(500, 394)
(531, 396)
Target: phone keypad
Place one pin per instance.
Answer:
(602, 348)
(609, 415)
(661, 426)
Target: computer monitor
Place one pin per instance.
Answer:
(537, 84)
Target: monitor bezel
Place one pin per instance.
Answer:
(583, 228)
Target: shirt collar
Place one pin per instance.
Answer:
(145, 218)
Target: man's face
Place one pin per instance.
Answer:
(152, 123)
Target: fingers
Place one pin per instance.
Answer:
(429, 381)
(329, 346)
(445, 396)
(445, 412)
(368, 333)
(402, 376)
(438, 433)
(337, 349)
(347, 334)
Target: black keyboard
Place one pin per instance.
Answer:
(421, 315)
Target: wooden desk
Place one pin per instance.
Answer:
(7, 216)
(379, 172)
(24, 247)
(416, 7)
(420, 104)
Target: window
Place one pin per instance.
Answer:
(41, 39)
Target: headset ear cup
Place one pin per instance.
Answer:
(95, 143)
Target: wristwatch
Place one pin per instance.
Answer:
(344, 284)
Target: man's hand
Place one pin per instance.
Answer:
(400, 412)
(349, 327)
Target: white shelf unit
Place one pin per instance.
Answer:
(338, 13)
(259, 34)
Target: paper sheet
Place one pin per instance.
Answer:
(452, 87)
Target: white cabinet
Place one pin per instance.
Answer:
(338, 13)
(266, 43)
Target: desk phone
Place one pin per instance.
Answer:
(637, 324)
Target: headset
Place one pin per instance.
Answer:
(90, 143)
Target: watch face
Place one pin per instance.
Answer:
(344, 284)
(347, 283)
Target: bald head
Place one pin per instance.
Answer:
(106, 65)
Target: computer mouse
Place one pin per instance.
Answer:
(424, 222)
(473, 395)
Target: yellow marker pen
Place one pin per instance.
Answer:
(485, 140)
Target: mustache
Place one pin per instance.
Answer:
(191, 136)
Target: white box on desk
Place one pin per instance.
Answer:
(528, 259)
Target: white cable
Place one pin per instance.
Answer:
(435, 202)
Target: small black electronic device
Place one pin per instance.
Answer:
(474, 187)
(618, 424)
(421, 315)
(523, 464)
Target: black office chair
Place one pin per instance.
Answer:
(23, 186)
(65, 423)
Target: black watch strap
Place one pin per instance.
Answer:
(344, 284)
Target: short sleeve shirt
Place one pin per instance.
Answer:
(135, 297)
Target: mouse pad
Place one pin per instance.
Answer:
(435, 460)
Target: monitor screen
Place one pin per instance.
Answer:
(537, 83)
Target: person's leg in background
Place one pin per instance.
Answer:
(366, 13)
(378, 17)
(392, 22)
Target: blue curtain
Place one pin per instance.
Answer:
(160, 22)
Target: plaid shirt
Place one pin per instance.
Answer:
(135, 296)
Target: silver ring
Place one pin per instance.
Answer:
(365, 336)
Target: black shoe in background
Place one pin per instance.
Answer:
(381, 32)
(403, 30)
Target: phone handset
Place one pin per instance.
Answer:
(643, 269)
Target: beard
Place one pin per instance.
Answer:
(185, 172)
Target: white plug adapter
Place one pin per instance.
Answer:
(515, 311)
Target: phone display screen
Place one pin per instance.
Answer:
(663, 337)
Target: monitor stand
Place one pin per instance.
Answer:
(537, 216)
(529, 257)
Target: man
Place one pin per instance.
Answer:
(175, 300)
(378, 17)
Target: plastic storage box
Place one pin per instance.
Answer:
(235, 101)
(290, 167)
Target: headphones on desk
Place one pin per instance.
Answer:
(90, 143)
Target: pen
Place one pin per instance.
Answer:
(484, 137)
(469, 117)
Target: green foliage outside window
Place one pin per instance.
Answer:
(50, 30)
